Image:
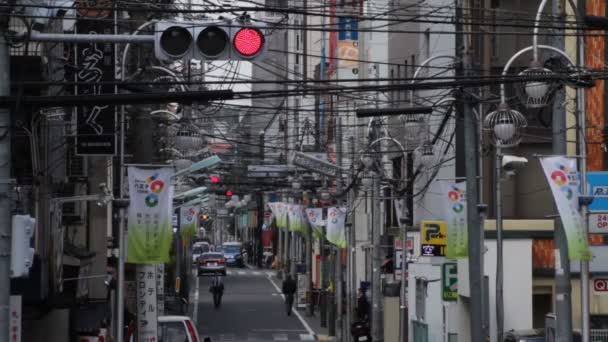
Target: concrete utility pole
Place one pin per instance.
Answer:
(5, 183)
(377, 219)
(338, 276)
(475, 227)
(563, 288)
(261, 208)
(350, 255)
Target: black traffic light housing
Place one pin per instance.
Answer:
(209, 40)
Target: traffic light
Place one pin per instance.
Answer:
(22, 255)
(214, 179)
(209, 40)
(229, 193)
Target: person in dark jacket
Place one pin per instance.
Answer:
(362, 306)
(289, 290)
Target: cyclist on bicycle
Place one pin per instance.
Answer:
(289, 290)
(217, 289)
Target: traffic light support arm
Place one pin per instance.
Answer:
(88, 38)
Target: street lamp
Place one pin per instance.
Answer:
(505, 125)
(536, 94)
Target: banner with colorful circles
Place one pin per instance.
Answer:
(336, 232)
(188, 222)
(456, 219)
(563, 178)
(150, 215)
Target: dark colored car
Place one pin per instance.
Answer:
(233, 252)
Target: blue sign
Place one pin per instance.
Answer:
(349, 29)
(597, 185)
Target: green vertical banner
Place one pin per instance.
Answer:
(295, 212)
(563, 178)
(281, 215)
(150, 212)
(188, 222)
(336, 233)
(315, 219)
(456, 218)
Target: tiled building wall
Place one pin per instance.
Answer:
(595, 58)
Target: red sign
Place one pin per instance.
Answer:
(600, 286)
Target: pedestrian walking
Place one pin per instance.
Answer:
(289, 290)
(217, 290)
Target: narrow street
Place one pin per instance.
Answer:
(252, 309)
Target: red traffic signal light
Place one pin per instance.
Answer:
(215, 179)
(248, 41)
(228, 193)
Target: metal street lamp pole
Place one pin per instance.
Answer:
(499, 244)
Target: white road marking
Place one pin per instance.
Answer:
(280, 337)
(306, 337)
(195, 309)
(241, 272)
(310, 331)
(256, 273)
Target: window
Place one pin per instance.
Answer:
(172, 332)
(212, 256)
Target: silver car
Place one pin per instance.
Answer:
(212, 262)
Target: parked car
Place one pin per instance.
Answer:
(199, 248)
(212, 262)
(533, 335)
(175, 329)
(233, 252)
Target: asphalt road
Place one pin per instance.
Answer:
(252, 309)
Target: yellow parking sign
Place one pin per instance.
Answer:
(433, 238)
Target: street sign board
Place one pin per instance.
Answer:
(433, 238)
(317, 165)
(349, 28)
(267, 171)
(598, 186)
(93, 69)
(600, 286)
(449, 282)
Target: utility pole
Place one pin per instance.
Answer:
(5, 182)
(338, 276)
(350, 255)
(324, 283)
(563, 288)
(475, 227)
(261, 208)
(377, 327)
(582, 139)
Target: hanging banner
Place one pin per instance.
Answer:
(296, 218)
(150, 213)
(281, 215)
(563, 179)
(315, 218)
(188, 222)
(456, 217)
(336, 234)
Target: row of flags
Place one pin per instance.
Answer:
(151, 209)
(297, 218)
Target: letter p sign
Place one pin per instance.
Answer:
(431, 230)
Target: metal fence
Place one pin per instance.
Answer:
(599, 335)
